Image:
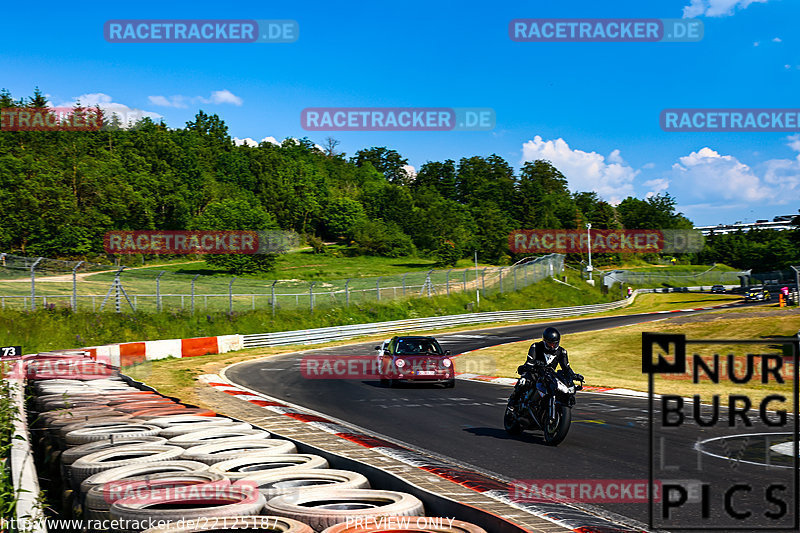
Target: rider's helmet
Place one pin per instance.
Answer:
(551, 338)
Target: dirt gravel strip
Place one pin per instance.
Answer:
(434, 474)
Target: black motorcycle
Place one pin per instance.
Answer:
(545, 403)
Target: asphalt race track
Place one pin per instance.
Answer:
(608, 438)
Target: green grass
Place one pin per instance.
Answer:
(60, 329)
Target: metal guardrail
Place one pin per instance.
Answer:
(319, 335)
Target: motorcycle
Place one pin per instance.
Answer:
(545, 403)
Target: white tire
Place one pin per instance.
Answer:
(181, 429)
(197, 438)
(228, 502)
(70, 455)
(96, 462)
(134, 470)
(276, 484)
(323, 508)
(82, 436)
(223, 451)
(260, 463)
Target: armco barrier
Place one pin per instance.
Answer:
(318, 335)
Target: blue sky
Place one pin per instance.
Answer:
(590, 108)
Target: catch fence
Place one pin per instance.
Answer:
(31, 283)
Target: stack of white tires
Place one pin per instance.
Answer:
(133, 460)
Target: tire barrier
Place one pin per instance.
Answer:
(417, 524)
(196, 438)
(140, 458)
(273, 484)
(323, 508)
(223, 451)
(205, 502)
(259, 462)
(99, 499)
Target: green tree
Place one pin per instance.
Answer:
(388, 162)
(237, 214)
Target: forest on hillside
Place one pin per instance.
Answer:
(63, 190)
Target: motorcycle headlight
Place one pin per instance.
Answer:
(400, 363)
(447, 363)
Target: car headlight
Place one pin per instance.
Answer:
(447, 363)
(400, 363)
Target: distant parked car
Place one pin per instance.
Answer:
(718, 289)
(414, 358)
(757, 294)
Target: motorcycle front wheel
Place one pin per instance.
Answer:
(511, 420)
(556, 430)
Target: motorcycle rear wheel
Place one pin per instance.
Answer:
(556, 431)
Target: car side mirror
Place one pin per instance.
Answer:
(377, 347)
(447, 352)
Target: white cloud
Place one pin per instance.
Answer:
(756, 43)
(172, 101)
(656, 186)
(716, 8)
(247, 141)
(217, 97)
(706, 175)
(777, 40)
(127, 115)
(225, 97)
(410, 170)
(585, 171)
(794, 142)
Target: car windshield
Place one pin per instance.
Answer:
(417, 347)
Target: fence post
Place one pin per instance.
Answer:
(75, 286)
(272, 297)
(158, 289)
(311, 295)
(447, 281)
(193, 280)
(464, 283)
(378, 287)
(404, 283)
(33, 283)
(230, 296)
(347, 292)
(428, 282)
(501, 281)
(117, 306)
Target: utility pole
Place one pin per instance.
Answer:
(477, 287)
(589, 246)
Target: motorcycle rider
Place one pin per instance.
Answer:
(547, 352)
